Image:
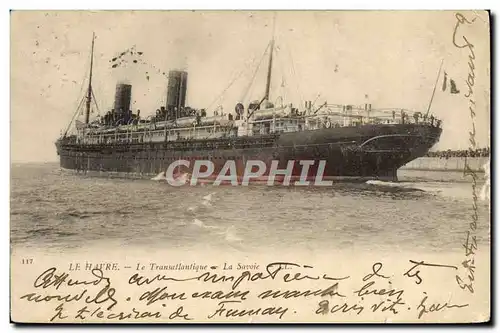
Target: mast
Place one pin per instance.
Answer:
(89, 90)
(269, 68)
(434, 90)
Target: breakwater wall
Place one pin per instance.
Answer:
(446, 164)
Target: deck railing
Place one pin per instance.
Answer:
(326, 115)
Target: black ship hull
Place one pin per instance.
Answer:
(363, 152)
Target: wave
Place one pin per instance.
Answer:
(84, 214)
(176, 178)
(160, 176)
(41, 231)
(207, 200)
(384, 183)
(456, 191)
(230, 235)
(208, 197)
(200, 224)
(79, 215)
(65, 233)
(399, 186)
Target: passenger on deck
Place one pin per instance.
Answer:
(416, 116)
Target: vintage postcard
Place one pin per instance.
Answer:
(250, 167)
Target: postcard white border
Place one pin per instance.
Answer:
(186, 4)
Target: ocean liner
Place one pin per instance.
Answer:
(355, 142)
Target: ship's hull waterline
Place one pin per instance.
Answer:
(350, 153)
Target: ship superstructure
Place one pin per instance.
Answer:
(355, 141)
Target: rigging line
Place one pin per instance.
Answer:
(284, 80)
(250, 92)
(228, 86)
(80, 93)
(255, 73)
(74, 115)
(79, 104)
(294, 73)
(95, 102)
(314, 102)
(81, 98)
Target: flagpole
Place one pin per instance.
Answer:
(435, 85)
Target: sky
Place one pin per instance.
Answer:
(390, 59)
